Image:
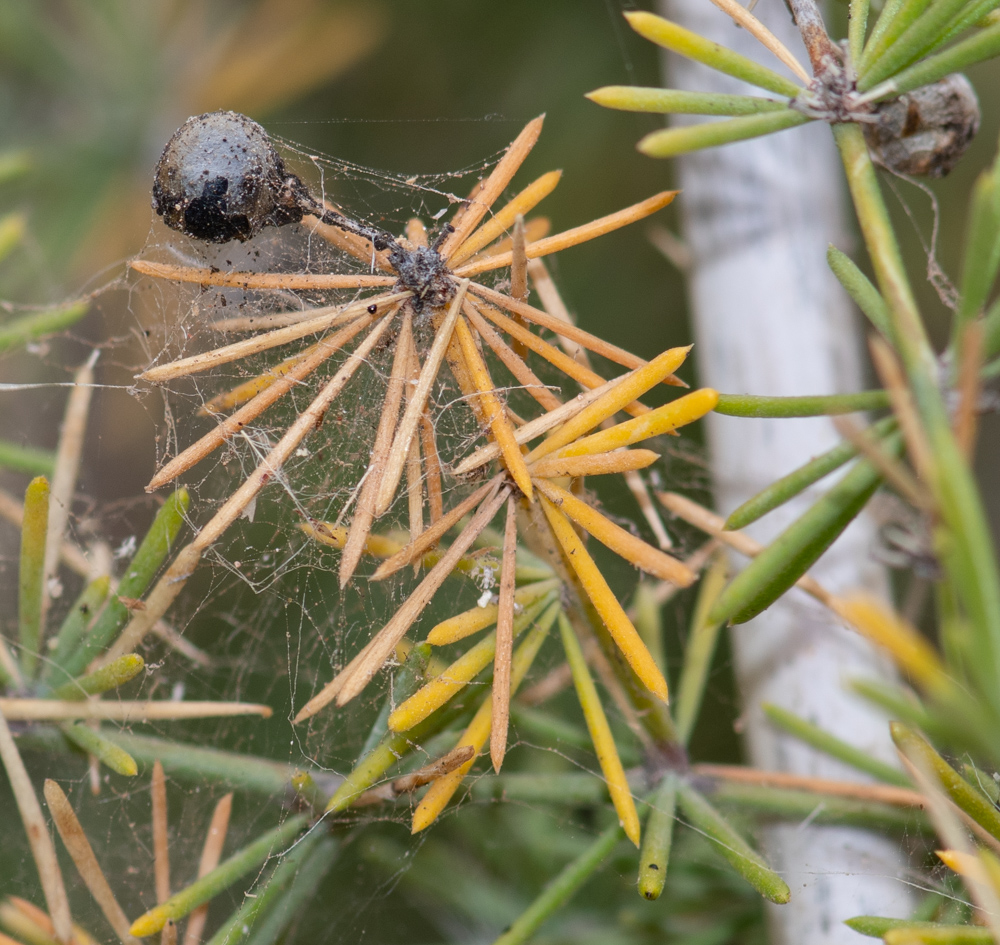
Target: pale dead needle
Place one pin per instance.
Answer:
(161, 848)
(418, 402)
(714, 525)
(426, 540)
(485, 196)
(211, 853)
(574, 236)
(512, 359)
(970, 362)
(414, 477)
(67, 468)
(364, 514)
(289, 281)
(891, 469)
(881, 793)
(82, 854)
(329, 318)
(355, 676)
(39, 840)
(763, 35)
(50, 710)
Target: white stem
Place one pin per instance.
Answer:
(771, 319)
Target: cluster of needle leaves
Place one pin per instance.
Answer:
(529, 506)
(921, 451)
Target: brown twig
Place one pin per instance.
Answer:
(823, 53)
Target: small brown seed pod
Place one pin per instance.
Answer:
(925, 132)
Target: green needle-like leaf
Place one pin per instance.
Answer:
(857, 24)
(75, 624)
(740, 855)
(710, 134)
(26, 459)
(685, 43)
(918, 37)
(898, 702)
(979, 268)
(888, 13)
(752, 405)
(30, 589)
(798, 547)
(222, 877)
(904, 13)
(969, 17)
(859, 287)
(700, 649)
(833, 746)
(269, 893)
(147, 561)
(559, 890)
(917, 932)
(922, 755)
(109, 754)
(984, 44)
(115, 674)
(654, 855)
(631, 98)
(20, 331)
(285, 910)
(797, 481)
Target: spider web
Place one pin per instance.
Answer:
(265, 606)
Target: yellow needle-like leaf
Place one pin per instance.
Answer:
(479, 618)
(669, 417)
(441, 791)
(633, 385)
(626, 637)
(600, 732)
(644, 556)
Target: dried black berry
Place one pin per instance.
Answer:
(220, 179)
